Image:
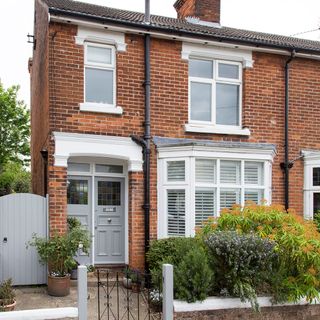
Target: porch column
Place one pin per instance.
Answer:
(57, 189)
(136, 220)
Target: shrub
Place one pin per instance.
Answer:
(297, 245)
(242, 263)
(316, 220)
(170, 250)
(193, 276)
(7, 294)
(182, 253)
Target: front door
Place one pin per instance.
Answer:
(109, 221)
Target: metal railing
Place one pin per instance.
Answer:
(126, 297)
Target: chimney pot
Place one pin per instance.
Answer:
(205, 10)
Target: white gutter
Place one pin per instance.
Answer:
(163, 35)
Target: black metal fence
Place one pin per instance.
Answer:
(123, 296)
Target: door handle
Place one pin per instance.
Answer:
(5, 240)
(109, 220)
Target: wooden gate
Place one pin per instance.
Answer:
(21, 215)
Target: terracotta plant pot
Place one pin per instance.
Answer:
(58, 286)
(8, 307)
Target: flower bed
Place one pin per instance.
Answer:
(251, 251)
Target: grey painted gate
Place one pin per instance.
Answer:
(21, 215)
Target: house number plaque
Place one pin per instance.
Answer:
(113, 209)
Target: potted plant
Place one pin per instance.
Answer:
(59, 252)
(7, 295)
(91, 270)
(136, 280)
(127, 283)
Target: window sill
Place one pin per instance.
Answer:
(100, 107)
(201, 128)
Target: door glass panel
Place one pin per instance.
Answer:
(108, 168)
(109, 193)
(316, 177)
(316, 203)
(78, 167)
(77, 191)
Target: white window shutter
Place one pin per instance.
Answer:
(253, 173)
(205, 205)
(230, 172)
(176, 212)
(253, 195)
(229, 197)
(205, 170)
(176, 170)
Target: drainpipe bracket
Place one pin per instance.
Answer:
(285, 166)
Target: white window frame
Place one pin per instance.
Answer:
(311, 161)
(190, 185)
(100, 107)
(214, 81)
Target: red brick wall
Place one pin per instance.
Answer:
(206, 10)
(136, 220)
(311, 312)
(263, 110)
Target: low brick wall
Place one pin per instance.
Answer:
(224, 308)
(297, 312)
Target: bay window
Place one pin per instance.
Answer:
(194, 188)
(311, 183)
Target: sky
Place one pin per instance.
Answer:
(286, 17)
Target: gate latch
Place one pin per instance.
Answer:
(5, 240)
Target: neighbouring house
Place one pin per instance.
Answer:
(143, 127)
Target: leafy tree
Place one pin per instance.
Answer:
(14, 178)
(14, 127)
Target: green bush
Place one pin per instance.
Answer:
(14, 178)
(59, 250)
(297, 245)
(193, 276)
(170, 249)
(7, 294)
(242, 263)
(181, 253)
(316, 220)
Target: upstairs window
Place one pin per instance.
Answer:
(100, 79)
(100, 85)
(215, 92)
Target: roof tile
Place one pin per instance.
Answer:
(91, 11)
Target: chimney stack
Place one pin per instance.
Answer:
(205, 10)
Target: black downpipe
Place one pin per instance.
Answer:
(147, 138)
(287, 164)
(44, 154)
(145, 142)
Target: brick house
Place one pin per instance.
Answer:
(145, 128)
